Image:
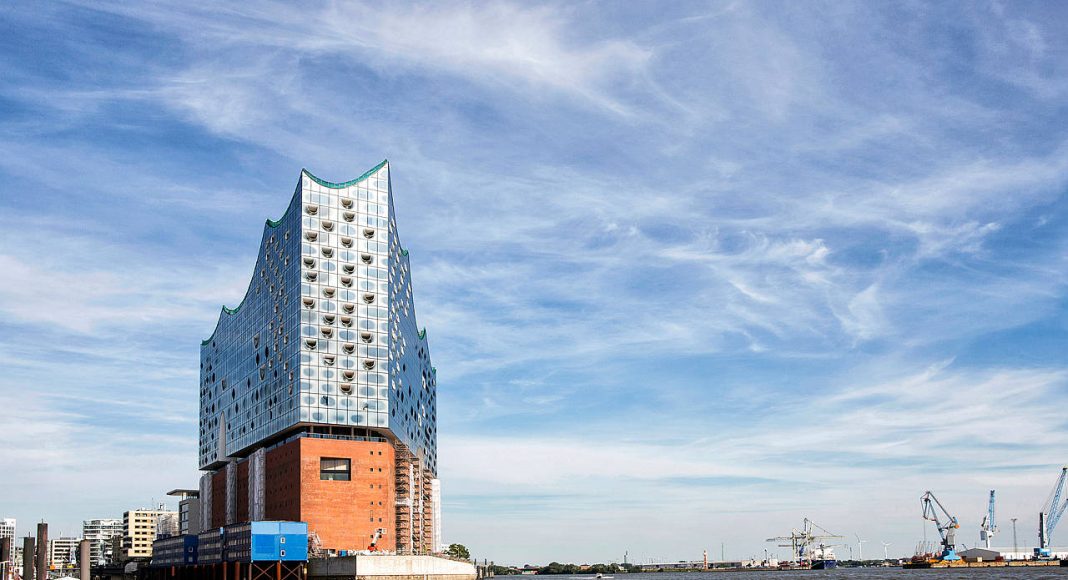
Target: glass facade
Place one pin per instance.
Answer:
(326, 334)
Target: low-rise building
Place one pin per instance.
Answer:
(1028, 553)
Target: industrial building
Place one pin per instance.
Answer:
(100, 533)
(317, 394)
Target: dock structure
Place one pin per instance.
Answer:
(994, 564)
(390, 567)
(276, 570)
(278, 550)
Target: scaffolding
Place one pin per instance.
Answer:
(415, 509)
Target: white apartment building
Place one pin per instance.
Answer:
(62, 552)
(7, 529)
(99, 532)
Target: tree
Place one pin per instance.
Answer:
(458, 551)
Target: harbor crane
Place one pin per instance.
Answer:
(802, 541)
(947, 524)
(1051, 514)
(989, 526)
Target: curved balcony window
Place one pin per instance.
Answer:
(368, 298)
(328, 292)
(348, 216)
(368, 233)
(346, 281)
(346, 242)
(311, 276)
(308, 302)
(368, 364)
(329, 359)
(348, 375)
(311, 209)
(328, 225)
(345, 388)
(349, 308)
(309, 261)
(346, 321)
(348, 268)
(348, 348)
(326, 331)
(310, 343)
(346, 203)
(366, 258)
(367, 337)
(328, 252)
(329, 318)
(311, 236)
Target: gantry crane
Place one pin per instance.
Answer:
(1051, 514)
(803, 540)
(989, 526)
(947, 529)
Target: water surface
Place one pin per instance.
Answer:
(864, 574)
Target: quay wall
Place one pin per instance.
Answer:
(385, 567)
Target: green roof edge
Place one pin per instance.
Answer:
(333, 185)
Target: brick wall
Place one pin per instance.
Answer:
(282, 489)
(345, 514)
(241, 491)
(218, 499)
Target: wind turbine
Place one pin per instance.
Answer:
(885, 553)
(860, 547)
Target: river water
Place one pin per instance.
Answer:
(864, 574)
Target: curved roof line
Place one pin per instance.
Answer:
(275, 223)
(333, 185)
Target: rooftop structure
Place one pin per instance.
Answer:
(317, 396)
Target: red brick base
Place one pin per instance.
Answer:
(345, 514)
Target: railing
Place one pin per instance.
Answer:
(338, 437)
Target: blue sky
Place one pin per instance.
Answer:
(690, 272)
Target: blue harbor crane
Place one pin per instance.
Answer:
(1051, 514)
(947, 528)
(989, 526)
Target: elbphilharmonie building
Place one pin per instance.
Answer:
(317, 394)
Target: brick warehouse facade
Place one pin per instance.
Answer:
(317, 396)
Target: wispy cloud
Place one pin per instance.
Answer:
(692, 261)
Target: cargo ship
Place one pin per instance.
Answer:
(823, 558)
